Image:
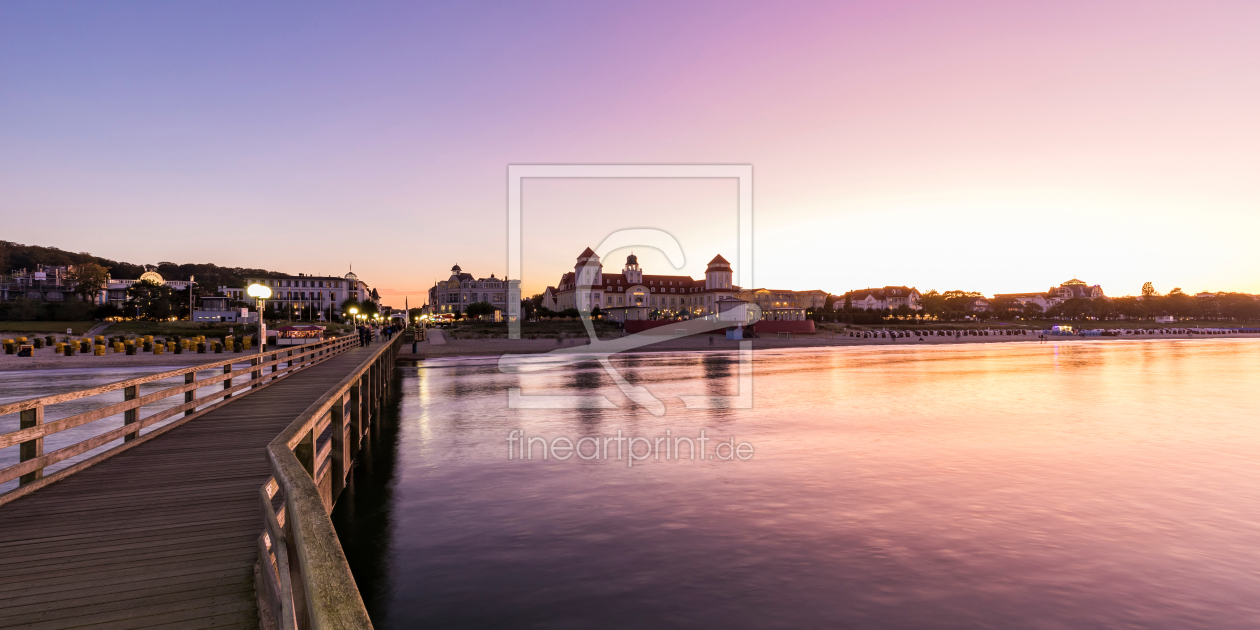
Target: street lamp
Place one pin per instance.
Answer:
(260, 293)
(354, 314)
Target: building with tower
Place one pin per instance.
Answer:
(632, 295)
(303, 295)
(461, 289)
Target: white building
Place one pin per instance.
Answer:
(631, 295)
(291, 294)
(461, 289)
(116, 289)
(218, 309)
(879, 299)
(1073, 288)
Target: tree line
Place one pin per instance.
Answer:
(956, 306)
(17, 256)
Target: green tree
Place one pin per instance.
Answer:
(933, 303)
(71, 310)
(480, 309)
(1004, 308)
(25, 309)
(149, 300)
(89, 280)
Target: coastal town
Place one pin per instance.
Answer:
(106, 315)
(673, 315)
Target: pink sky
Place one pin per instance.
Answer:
(995, 146)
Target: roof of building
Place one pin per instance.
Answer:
(719, 263)
(881, 294)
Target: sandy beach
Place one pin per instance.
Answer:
(45, 359)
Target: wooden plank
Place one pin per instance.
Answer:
(61, 474)
(159, 534)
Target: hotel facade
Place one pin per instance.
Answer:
(293, 293)
(461, 289)
(632, 295)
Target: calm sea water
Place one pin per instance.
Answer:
(1078, 485)
(18, 385)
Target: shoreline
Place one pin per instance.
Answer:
(497, 347)
(456, 348)
(50, 361)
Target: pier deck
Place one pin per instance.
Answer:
(162, 535)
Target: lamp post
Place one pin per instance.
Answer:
(260, 293)
(354, 315)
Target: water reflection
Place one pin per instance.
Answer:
(1060, 485)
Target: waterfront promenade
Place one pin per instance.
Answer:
(164, 534)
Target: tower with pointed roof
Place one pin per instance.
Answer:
(718, 274)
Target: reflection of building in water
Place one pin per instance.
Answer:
(633, 295)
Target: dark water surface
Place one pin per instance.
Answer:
(1078, 485)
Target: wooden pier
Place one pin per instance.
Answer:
(168, 532)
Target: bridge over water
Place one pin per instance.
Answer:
(210, 512)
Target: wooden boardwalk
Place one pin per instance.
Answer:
(162, 535)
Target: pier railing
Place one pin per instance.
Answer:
(262, 369)
(304, 579)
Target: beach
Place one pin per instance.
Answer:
(45, 359)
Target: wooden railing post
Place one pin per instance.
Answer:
(339, 458)
(305, 452)
(356, 416)
(130, 416)
(256, 375)
(190, 395)
(227, 382)
(31, 449)
(371, 393)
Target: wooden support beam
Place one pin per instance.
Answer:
(340, 459)
(130, 416)
(31, 449)
(356, 417)
(305, 451)
(189, 379)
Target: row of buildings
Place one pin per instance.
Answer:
(289, 293)
(892, 298)
(630, 294)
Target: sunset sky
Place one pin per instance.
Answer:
(988, 146)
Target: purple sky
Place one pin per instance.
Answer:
(986, 146)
